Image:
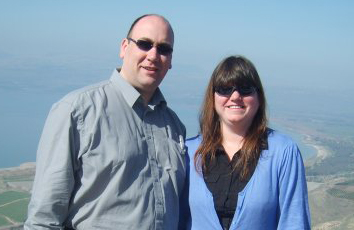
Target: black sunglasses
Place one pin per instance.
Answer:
(242, 90)
(146, 45)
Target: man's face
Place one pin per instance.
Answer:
(146, 69)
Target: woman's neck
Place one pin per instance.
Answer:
(232, 141)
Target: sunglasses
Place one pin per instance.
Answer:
(146, 45)
(242, 90)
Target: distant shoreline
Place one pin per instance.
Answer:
(305, 141)
(26, 165)
(321, 153)
(307, 137)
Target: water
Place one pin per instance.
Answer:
(23, 112)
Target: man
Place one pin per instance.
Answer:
(111, 155)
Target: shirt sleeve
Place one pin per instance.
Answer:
(293, 198)
(54, 179)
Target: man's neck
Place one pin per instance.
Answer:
(146, 98)
(145, 94)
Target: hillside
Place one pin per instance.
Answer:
(331, 185)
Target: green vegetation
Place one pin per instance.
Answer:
(13, 205)
(3, 221)
(341, 194)
(9, 196)
(18, 178)
(16, 211)
(350, 182)
(14, 196)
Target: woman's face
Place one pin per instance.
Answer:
(235, 110)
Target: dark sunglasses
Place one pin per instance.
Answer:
(146, 45)
(242, 90)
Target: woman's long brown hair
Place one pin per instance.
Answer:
(233, 70)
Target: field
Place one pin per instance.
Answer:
(331, 208)
(15, 186)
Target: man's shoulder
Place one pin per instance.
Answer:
(89, 93)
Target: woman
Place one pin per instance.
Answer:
(243, 175)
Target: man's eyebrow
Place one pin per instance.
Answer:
(150, 40)
(145, 39)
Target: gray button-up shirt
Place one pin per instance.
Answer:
(106, 161)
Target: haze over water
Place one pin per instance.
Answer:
(303, 52)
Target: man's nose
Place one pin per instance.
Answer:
(152, 54)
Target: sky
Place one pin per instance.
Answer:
(303, 51)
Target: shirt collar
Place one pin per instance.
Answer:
(131, 95)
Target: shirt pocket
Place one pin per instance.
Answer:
(211, 178)
(212, 183)
(176, 161)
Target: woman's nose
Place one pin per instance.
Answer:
(235, 95)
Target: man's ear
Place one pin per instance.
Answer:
(123, 47)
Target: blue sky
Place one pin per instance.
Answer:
(303, 50)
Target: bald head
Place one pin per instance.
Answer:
(149, 15)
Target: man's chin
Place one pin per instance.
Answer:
(151, 81)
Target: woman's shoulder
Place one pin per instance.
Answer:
(281, 145)
(193, 140)
(193, 143)
(278, 138)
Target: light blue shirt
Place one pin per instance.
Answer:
(274, 198)
(107, 161)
